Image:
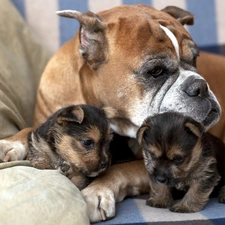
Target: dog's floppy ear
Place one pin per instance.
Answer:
(183, 16)
(140, 133)
(93, 44)
(72, 114)
(195, 128)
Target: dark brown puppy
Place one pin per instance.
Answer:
(179, 155)
(74, 140)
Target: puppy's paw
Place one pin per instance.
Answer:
(221, 196)
(158, 202)
(180, 207)
(11, 151)
(100, 202)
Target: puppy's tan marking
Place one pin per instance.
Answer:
(155, 152)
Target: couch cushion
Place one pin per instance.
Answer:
(30, 196)
(22, 60)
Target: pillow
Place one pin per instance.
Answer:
(31, 196)
(28, 196)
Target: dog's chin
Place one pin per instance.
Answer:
(210, 120)
(95, 173)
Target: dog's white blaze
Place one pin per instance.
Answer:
(114, 128)
(128, 131)
(131, 132)
(173, 39)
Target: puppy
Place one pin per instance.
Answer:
(75, 140)
(179, 155)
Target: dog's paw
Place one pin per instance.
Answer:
(100, 202)
(184, 208)
(221, 196)
(158, 203)
(11, 151)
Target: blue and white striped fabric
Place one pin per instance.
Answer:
(208, 31)
(133, 211)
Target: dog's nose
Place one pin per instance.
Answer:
(195, 87)
(161, 178)
(103, 164)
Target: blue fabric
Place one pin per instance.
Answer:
(130, 2)
(20, 6)
(68, 27)
(204, 32)
(208, 31)
(134, 210)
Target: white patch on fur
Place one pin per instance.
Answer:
(132, 132)
(173, 40)
(12, 150)
(114, 128)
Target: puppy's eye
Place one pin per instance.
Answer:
(153, 156)
(157, 71)
(178, 159)
(87, 143)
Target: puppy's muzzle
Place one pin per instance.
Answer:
(104, 164)
(161, 178)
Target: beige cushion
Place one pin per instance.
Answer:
(39, 197)
(28, 196)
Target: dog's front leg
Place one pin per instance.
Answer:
(160, 195)
(15, 147)
(119, 181)
(197, 196)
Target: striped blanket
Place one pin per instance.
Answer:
(208, 32)
(133, 211)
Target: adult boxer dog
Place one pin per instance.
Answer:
(139, 61)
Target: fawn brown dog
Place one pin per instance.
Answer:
(138, 60)
(178, 154)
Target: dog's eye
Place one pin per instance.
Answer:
(87, 143)
(178, 159)
(157, 71)
(153, 156)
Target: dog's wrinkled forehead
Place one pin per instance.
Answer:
(153, 30)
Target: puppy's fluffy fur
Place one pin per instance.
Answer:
(179, 155)
(75, 140)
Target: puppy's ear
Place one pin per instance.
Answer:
(195, 128)
(75, 114)
(183, 16)
(140, 133)
(93, 43)
(110, 113)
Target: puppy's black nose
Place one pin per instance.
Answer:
(103, 164)
(195, 87)
(161, 178)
